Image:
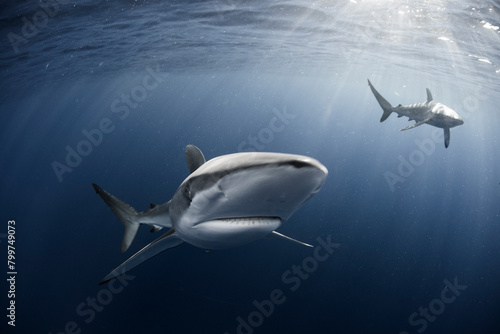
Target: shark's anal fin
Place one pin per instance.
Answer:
(194, 158)
(417, 124)
(429, 95)
(446, 137)
(127, 215)
(276, 235)
(166, 241)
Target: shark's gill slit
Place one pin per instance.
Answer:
(187, 193)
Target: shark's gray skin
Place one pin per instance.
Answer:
(428, 112)
(225, 202)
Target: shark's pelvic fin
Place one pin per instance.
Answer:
(386, 106)
(277, 235)
(126, 213)
(194, 158)
(155, 228)
(446, 137)
(166, 241)
(417, 124)
(429, 95)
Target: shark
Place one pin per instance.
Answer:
(228, 201)
(428, 112)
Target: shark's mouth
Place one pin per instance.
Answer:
(229, 232)
(243, 221)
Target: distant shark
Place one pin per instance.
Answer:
(428, 112)
(225, 202)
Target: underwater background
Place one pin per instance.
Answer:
(111, 92)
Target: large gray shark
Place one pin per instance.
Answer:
(225, 202)
(428, 112)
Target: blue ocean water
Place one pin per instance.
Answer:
(112, 91)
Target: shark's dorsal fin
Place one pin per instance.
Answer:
(429, 95)
(276, 235)
(194, 158)
(417, 124)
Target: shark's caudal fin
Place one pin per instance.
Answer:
(386, 106)
(166, 241)
(127, 215)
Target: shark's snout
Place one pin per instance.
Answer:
(456, 120)
(314, 169)
(249, 185)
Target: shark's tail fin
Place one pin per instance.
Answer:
(127, 215)
(386, 106)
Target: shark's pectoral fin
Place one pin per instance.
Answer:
(166, 241)
(429, 95)
(276, 235)
(194, 158)
(417, 124)
(446, 137)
